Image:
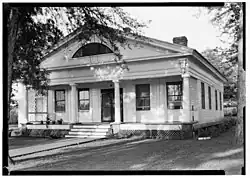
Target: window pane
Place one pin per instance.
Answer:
(209, 97)
(146, 102)
(174, 95)
(84, 105)
(143, 97)
(143, 90)
(202, 96)
(139, 102)
(216, 103)
(60, 95)
(60, 106)
(175, 105)
(92, 49)
(83, 94)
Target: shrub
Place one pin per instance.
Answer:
(13, 116)
(230, 111)
(45, 133)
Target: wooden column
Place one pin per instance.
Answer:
(22, 104)
(116, 125)
(186, 97)
(117, 102)
(73, 103)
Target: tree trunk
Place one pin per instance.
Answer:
(241, 93)
(12, 36)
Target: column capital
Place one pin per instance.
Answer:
(186, 75)
(72, 84)
(116, 81)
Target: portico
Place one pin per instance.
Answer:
(165, 88)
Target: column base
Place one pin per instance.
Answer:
(115, 126)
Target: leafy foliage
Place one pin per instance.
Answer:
(227, 68)
(230, 20)
(38, 31)
(227, 18)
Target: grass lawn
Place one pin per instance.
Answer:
(149, 154)
(22, 142)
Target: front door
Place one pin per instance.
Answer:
(108, 111)
(108, 105)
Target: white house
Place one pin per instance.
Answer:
(167, 88)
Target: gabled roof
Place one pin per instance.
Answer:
(149, 41)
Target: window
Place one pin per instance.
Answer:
(143, 97)
(202, 96)
(59, 100)
(220, 102)
(209, 97)
(83, 99)
(92, 49)
(174, 95)
(216, 102)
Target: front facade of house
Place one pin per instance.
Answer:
(167, 85)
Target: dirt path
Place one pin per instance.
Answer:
(150, 154)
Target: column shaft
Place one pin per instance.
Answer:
(73, 103)
(186, 98)
(117, 102)
(22, 104)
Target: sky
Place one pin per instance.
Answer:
(169, 22)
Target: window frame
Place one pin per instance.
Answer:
(216, 100)
(144, 107)
(79, 100)
(203, 101)
(220, 102)
(75, 55)
(64, 109)
(209, 98)
(180, 95)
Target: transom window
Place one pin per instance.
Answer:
(59, 100)
(174, 95)
(92, 49)
(83, 99)
(143, 97)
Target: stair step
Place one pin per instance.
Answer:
(83, 136)
(91, 126)
(87, 133)
(90, 130)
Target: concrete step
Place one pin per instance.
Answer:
(84, 136)
(87, 133)
(90, 126)
(90, 130)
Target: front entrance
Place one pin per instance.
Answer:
(108, 105)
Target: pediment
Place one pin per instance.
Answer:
(63, 55)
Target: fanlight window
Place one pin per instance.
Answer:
(92, 49)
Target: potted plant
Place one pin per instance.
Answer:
(41, 122)
(54, 122)
(60, 121)
(48, 120)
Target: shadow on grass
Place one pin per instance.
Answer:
(217, 153)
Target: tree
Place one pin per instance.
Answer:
(227, 68)
(229, 18)
(32, 31)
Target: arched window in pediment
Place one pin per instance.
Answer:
(92, 49)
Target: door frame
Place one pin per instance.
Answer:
(112, 110)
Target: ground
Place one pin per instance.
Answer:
(148, 154)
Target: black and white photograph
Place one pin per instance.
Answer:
(109, 88)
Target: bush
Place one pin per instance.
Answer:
(230, 111)
(13, 116)
(45, 133)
